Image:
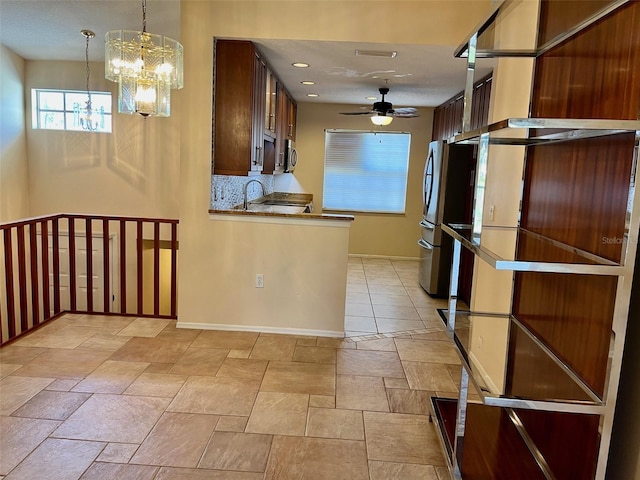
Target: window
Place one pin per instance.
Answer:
(365, 171)
(67, 110)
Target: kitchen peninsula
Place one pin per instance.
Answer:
(300, 259)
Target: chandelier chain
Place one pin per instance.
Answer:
(86, 57)
(144, 16)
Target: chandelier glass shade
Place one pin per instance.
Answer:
(381, 120)
(146, 67)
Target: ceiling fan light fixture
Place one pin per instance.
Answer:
(376, 53)
(381, 120)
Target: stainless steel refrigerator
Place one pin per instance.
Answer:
(447, 183)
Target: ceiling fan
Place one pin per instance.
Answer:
(382, 112)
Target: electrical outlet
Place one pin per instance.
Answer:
(259, 280)
(492, 210)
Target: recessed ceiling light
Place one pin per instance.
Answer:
(376, 53)
(300, 64)
(312, 94)
(307, 82)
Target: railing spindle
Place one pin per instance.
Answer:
(105, 264)
(35, 300)
(8, 268)
(174, 268)
(46, 305)
(123, 266)
(56, 266)
(22, 281)
(89, 241)
(139, 265)
(72, 265)
(156, 268)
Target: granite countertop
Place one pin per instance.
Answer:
(290, 205)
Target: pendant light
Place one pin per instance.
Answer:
(88, 120)
(146, 67)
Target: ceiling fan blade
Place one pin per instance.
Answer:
(356, 113)
(404, 111)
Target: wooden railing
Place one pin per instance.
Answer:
(44, 276)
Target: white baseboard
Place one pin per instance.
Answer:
(260, 329)
(483, 373)
(388, 257)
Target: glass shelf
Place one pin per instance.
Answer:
(567, 259)
(541, 381)
(541, 131)
(484, 33)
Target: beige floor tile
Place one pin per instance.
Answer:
(110, 471)
(354, 297)
(177, 440)
(387, 325)
(432, 336)
(18, 437)
(380, 270)
(105, 341)
(216, 395)
(386, 289)
(144, 327)
(396, 383)
(243, 368)
(57, 459)
(228, 423)
(358, 310)
(408, 401)
(330, 342)
(245, 452)
(62, 385)
(360, 324)
(279, 413)
(401, 471)
(335, 423)
(356, 277)
(171, 473)
(19, 355)
(118, 452)
(156, 385)
(239, 353)
(225, 340)
(324, 401)
(434, 325)
(427, 351)
(199, 361)
(429, 313)
(443, 473)
(306, 341)
(375, 261)
(182, 335)
(111, 377)
(386, 280)
(361, 393)
(16, 391)
(429, 376)
(395, 311)
(395, 437)
(382, 344)
(113, 418)
(159, 367)
(360, 287)
(151, 350)
(397, 300)
(106, 323)
(52, 405)
(308, 378)
(369, 363)
(274, 347)
(294, 458)
(315, 355)
(69, 336)
(63, 363)
(7, 369)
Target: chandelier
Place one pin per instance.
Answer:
(88, 122)
(146, 67)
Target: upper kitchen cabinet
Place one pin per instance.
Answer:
(239, 115)
(285, 124)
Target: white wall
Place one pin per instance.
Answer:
(14, 179)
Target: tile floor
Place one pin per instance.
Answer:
(94, 397)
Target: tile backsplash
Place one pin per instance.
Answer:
(226, 190)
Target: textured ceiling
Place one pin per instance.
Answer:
(419, 75)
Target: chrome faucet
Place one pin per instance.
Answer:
(244, 190)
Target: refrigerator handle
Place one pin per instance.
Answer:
(426, 225)
(424, 245)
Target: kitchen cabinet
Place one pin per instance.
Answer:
(271, 115)
(546, 410)
(285, 124)
(239, 108)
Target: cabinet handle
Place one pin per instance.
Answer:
(257, 157)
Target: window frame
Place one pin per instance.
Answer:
(67, 109)
(364, 210)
